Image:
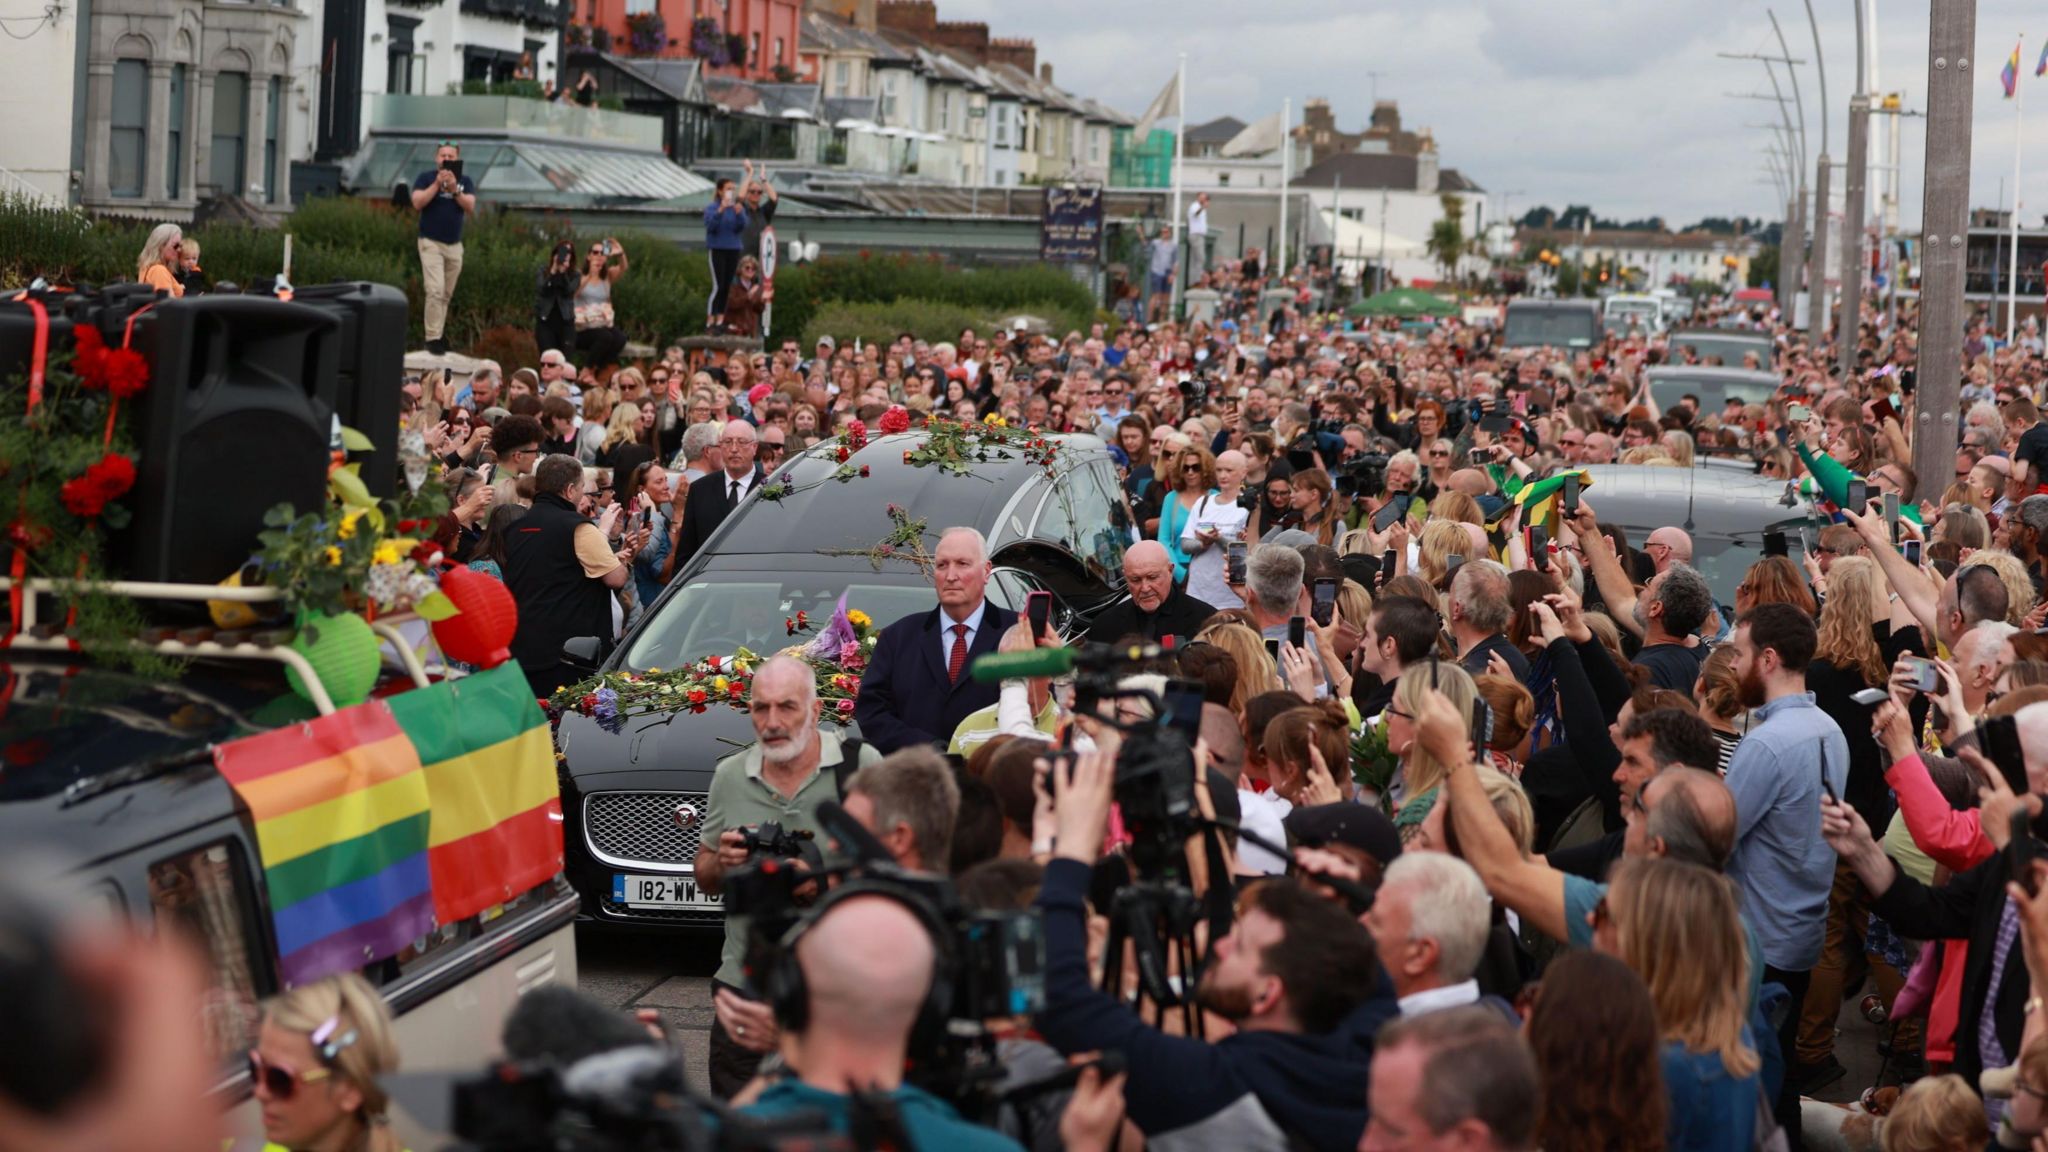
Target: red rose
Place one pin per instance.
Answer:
(906, 457)
(426, 553)
(698, 696)
(82, 497)
(895, 420)
(587, 705)
(842, 454)
(735, 689)
(124, 372)
(863, 470)
(114, 475)
(88, 353)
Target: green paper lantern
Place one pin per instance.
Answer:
(344, 656)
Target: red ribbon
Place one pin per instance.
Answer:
(38, 358)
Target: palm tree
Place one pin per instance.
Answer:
(1447, 236)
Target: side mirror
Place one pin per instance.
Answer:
(583, 653)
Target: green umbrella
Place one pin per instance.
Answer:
(1404, 302)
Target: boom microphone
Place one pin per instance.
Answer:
(1035, 662)
(564, 1027)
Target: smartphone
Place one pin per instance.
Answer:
(1536, 538)
(1859, 497)
(1452, 563)
(1181, 703)
(1926, 677)
(1237, 550)
(1911, 550)
(1422, 479)
(1798, 414)
(2020, 851)
(1806, 539)
(1038, 610)
(1479, 456)
(1891, 513)
(1482, 726)
(1495, 423)
(1882, 409)
(1392, 511)
(1323, 605)
(454, 166)
(1999, 739)
(1387, 561)
(1297, 631)
(1868, 697)
(1571, 495)
(1301, 459)
(1273, 650)
(1775, 544)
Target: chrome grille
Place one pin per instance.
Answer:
(640, 827)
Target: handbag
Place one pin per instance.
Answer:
(593, 315)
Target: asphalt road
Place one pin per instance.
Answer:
(668, 973)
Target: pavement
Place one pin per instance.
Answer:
(666, 972)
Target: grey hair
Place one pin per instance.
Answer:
(160, 237)
(980, 541)
(1686, 598)
(2034, 513)
(488, 368)
(1482, 587)
(1273, 572)
(1679, 822)
(794, 667)
(1448, 904)
(699, 439)
(1476, 1067)
(913, 787)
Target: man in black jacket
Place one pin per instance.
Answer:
(917, 687)
(1158, 608)
(561, 572)
(712, 498)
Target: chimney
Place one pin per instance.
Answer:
(1045, 74)
(918, 17)
(1020, 53)
(969, 39)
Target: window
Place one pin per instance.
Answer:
(1094, 146)
(230, 131)
(839, 77)
(207, 893)
(754, 49)
(1223, 179)
(888, 97)
(1002, 134)
(128, 144)
(174, 144)
(637, 7)
(778, 51)
(273, 114)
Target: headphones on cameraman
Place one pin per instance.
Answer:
(790, 997)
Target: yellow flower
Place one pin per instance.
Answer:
(719, 683)
(333, 556)
(858, 618)
(654, 671)
(995, 420)
(348, 522)
(387, 553)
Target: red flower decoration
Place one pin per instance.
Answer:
(841, 454)
(124, 372)
(698, 696)
(895, 420)
(587, 705)
(86, 495)
(863, 470)
(426, 553)
(82, 497)
(735, 689)
(88, 352)
(856, 434)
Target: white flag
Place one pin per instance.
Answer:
(1256, 139)
(1164, 105)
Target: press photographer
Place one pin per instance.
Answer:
(792, 767)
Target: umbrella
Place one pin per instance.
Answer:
(1405, 302)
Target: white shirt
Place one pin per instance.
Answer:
(946, 623)
(1438, 999)
(1209, 570)
(1198, 219)
(746, 480)
(1262, 813)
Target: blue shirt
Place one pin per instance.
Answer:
(441, 220)
(1782, 866)
(1707, 1110)
(929, 1122)
(648, 561)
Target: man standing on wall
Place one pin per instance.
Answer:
(444, 198)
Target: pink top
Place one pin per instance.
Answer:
(1953, 839)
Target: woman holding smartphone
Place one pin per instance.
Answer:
(1193, 477)
(1217, 522)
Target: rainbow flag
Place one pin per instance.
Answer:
(489, 768)
(2041, 66)
(2010, 74)
(340, 807)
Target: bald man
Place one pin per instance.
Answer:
(1668, 546)
(712, 498)
(867, 965)
(1156, 608)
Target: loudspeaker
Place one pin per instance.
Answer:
(370, 371)
(238, 416)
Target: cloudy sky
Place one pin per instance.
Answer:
(1614, 103)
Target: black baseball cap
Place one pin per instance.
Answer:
(1360, 826)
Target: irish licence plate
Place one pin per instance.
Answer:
(659, 892)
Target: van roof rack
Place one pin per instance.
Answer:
(205, 641)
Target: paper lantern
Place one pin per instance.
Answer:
(481, 634)
(343, 652)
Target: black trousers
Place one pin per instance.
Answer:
(553, 333)
(731, 1065)
(1787, 1109)
(725, 264)
(599, 347)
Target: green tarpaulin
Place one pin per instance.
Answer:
(1403, 302)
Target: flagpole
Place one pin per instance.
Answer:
(1180, 131)
(1278, 272)
(2012, 298)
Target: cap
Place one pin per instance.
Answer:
(758, 393)
(828, 342)
(1020, 325)
(1358, 825)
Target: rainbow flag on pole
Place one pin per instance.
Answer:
(340, 807)
(2010, 74)
(490, 771)
(2041, 65)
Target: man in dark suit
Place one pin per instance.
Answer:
(712, 498)
(1157, 607)
(916, 689)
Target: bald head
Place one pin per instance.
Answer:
(867, 964)
(1692, 815)
(1668, 546)
(1148, 574)
(1472, 482)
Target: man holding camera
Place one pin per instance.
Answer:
(791, 769)
(444, 198)
(1296, 977)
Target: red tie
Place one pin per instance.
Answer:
(957, 663)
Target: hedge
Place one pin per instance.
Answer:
(662, 298)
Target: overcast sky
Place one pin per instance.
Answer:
(1614, 103)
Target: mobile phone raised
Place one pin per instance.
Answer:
(1038, 610)
(1235, 554)
(1297, 631)
(1570, 498)
(1323, 606)
(1858, 500)
(1392, 511)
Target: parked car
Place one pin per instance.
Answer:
(1714, 386)
(1623, 311)
(1725, 512)
(1727, 345)
(1571, 324)
(630, 798)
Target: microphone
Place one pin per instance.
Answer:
(564, 1027)
(1036, 662)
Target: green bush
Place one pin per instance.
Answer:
(660, 299)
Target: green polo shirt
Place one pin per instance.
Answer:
(740, 797)
(979, 727)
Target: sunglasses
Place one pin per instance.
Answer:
(277, 1081)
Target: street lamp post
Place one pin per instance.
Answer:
(1951, 76)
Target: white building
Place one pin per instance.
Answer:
(1357, 196)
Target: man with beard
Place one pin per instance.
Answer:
(791, 769)
(1296, 976)
(1792, 755)
(1668, 612)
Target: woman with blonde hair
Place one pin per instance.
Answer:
(163, 260)
(1193, 477)
(1679, 446)
(1441, 540)
(1677, 925)
(1451, 504)
(1256, 672)
(597, 413)
(1936, 1114)
(1417, 781)
(316, 1067)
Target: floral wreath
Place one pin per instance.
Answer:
(950, 445)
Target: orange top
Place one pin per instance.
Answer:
(159, 276)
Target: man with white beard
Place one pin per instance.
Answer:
(792, 768)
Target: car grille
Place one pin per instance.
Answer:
(705, 916)
(640, 827)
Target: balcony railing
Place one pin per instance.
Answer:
(551, 13)
(456, 115)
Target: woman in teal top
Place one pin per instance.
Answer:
(1830, 476)
(1193, 476)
